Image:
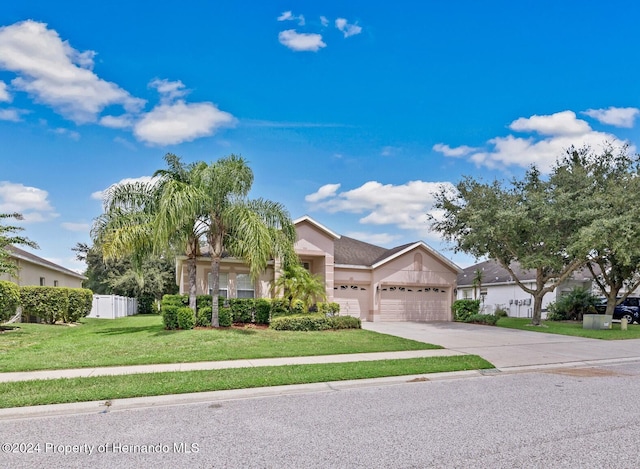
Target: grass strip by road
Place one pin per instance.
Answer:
(56, 391)
(142, 340)
(572, 328)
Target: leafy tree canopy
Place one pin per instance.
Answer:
(9, 236)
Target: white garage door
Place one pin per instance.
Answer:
(353, 300)
(402, 303)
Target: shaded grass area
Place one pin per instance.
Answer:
(572, 328)
(27, 393)
(141, 340)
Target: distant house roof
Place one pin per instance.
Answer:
(494, 273)
(32, 258)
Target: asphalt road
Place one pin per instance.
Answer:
(565, 418)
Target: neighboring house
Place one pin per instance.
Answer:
(499, 290)
(406, 283)
(34, 270)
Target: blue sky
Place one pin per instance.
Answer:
(350, 112)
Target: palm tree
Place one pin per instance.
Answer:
(255, 231)
(297, 283)
(141, 218)
(477, 283)
(8, 237)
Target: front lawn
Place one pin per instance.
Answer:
(573, 328)
(55, 391)
(139, 340)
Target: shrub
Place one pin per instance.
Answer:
(79, 305)
(297, 307)
(314, 322)
(329, 309)
(202, 301)
(463, 309)
(170, 316)
(147, 304)
(489, 319)
(345, 322)
(306, 322)
(225, 318)
(175, 300)
(500, 312)
(185, 318)
(203, 319)
(242, 310)
(573, 305)
(279, 307)
(9, 300)
(263, 309)
(48, 304)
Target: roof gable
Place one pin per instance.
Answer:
(319, 226)
(33, 259)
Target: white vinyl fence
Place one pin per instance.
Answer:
(112, 306)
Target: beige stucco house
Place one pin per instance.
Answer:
(411, 282)
(34, 270)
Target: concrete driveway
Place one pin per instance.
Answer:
(509, 348)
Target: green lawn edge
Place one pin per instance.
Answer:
(70, 390)
(571, 328)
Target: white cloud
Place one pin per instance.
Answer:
(560, 123)
(616, 116)
(324, 21)
(123, 121)
(169, 90)
(446, 150)
(99, 195)
(55, 74)
(4, 93)
(390, 151)
(12, 114)
(346, 28)
(301, 41)
(72, 134)
(76, 227)
(31, 202)
(170, 124)
(553, 135)
(328, 190)
(405, 206)
(289, 16)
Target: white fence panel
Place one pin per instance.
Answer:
(112, 306)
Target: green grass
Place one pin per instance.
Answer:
(139, 340)
(572, 328)
(27, 393)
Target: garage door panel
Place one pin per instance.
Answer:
(414, 304)
(353, 300)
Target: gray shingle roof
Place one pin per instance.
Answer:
(493, 272)
(349, 251)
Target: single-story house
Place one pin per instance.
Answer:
(34, 270)
(411, 282)
(499, 290)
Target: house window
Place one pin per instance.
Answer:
(42, 281)
(307, 265)
(55, 283)
(223, 281)
(244, 286)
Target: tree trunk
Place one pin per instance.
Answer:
(612, 299)
(537, 308)
(215, 290)
(191, 270)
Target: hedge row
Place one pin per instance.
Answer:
(48, 304)
(235, 310)
(314, 322)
